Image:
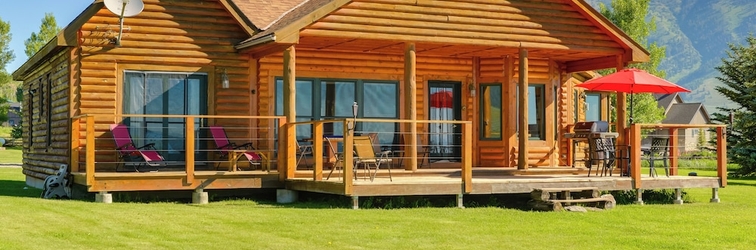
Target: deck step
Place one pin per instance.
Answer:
(545, 194)
(604, 202)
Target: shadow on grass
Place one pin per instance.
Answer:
(330, 201)
(17, 189)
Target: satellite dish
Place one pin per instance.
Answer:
(124, 8)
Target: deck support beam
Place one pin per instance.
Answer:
(678, 196)
(410, 104)
(522, 150)
(639, 196)
(200, 197)
(714, 195)
(460, 201)
(104, 197)
(290, 109)
(355, 202)
(284, 196)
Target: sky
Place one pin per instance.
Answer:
(25, 17)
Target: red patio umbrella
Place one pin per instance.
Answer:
(442, 99)
(632, 81)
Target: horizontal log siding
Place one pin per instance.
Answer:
(545, 24)
(539, 152)
(565, 115)
(42, 157)
(173, 36)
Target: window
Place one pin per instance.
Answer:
(537, 112)
(490, 108)
(592, 107)
(333, 99)
(163, 93)
(47, 110)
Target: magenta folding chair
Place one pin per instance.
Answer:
(225, 147)
(130, 154)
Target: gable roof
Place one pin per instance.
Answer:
(665, 101)
(683, 113)
(263, 13)
(286, 29)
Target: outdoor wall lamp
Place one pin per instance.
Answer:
(471, 88)
(224, 79)
(355, 108)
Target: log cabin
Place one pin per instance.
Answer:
(483, 84)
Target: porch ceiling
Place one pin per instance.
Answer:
(441, 49)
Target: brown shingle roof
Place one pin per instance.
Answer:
(263, 13)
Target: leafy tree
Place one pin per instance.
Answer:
(630, 16)
(47, 30)
(739, 79)
(6, 55)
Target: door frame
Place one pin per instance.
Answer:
(456, 87)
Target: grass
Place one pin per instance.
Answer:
(5, 132)
(11, 155)
(32, 223)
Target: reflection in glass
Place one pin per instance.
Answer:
(490, 106)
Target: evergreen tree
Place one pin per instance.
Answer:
(738, 71)
(47, 30)
(630, 16)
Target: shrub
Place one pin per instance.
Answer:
(17, 132)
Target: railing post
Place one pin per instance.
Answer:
(282, 154)
(90, 165)
(75, 143)
(317, 150)
(411, 147)
(189, 149)
(467, 156)
(722, 156)
(635, 155)
(673, 151)
(348, 156)
(569, 147)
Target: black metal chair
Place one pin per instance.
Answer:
(602, 153)
(659, 151)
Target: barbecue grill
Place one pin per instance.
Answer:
(589, 130)
(585, 131)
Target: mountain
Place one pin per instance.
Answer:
(696, 34)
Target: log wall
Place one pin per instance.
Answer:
(542, 24)
(168, 36)
(45, 117)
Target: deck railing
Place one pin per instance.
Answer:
(99, 153)
(635, 136)
(403, 141)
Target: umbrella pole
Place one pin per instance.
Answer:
(631, 107)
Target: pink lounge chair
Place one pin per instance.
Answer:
(225, 147)
(130, 154)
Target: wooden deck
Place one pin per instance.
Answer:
(177, 180)
(488, 181)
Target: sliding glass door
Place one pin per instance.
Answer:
(163, 93)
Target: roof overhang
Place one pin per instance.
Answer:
(68, 37)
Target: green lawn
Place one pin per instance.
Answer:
(32, 223)
(11, 155)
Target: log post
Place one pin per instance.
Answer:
(75, 144)
(621, 123)
(410, 104)
(282, 156)
(722, 156)
(467, 157)
(189, 149)
(348, 157)
(90, 153)
(522, 151)
(317, 150)
(290, 109)
(673, 151)
(635, 155)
